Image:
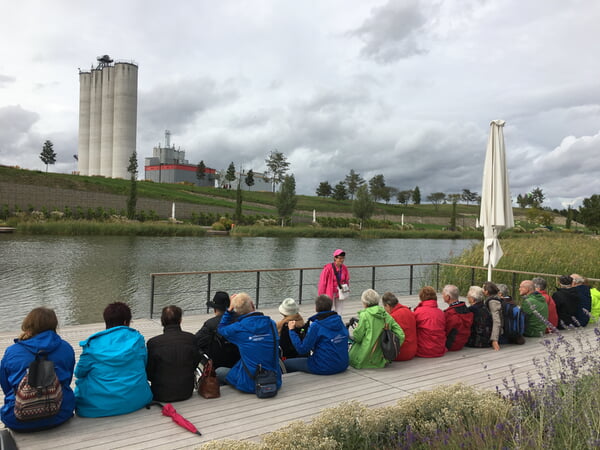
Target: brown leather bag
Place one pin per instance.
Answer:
(208, 385)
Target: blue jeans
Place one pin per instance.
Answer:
(296, 365)
(222, 374)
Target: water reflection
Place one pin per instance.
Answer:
(78, 276)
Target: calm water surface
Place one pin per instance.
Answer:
(78, 276)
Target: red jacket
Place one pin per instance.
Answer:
(458, 326)
(431, 329)
(406, 319)
(552, 313)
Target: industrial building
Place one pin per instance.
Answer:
(167, 165)
(107, 118)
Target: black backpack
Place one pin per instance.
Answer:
(481, 330)
(513, 319)
(39, 394)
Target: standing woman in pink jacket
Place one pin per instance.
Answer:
(334, 281)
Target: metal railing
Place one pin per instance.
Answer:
(192, 290)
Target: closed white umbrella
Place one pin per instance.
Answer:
(496, 205)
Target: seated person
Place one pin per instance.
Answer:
(326, 340)
(567, 302)
(458, 319)
(585, 299)
(289, 309)
(256, 337)
(111, 372)
(540, 286)
(208, 340)
(431, 325)
(172, 359)
(406, 319)
(481, 329)
(39, 333)
(493, 303)
(595, 294)
(371, 322)
(535, 326)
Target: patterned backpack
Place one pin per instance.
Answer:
(39, 394)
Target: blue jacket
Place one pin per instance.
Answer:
(111, 373)
(253, 334)
(585, 302)
(14, 365)
(327, 338)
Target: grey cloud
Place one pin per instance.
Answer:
(180, 102)
(5, 80)
(392, 31)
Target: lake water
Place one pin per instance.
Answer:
(78, 276)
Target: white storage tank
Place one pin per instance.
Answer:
(125, 117)
(83, 150)
(95, 122)
(106, 131)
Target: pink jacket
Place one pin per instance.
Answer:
(328, 283)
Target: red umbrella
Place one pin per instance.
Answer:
(169, 411)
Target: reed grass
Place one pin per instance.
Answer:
(88, 227)
(551, 253)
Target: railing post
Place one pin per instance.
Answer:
(208, 281)
(514, 284)
(151, 295)
(472, 276)
(300, 287)
(373, 277)
(410, 282)
(437, 277)
(257, 287)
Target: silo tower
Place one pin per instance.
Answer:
(107, 117)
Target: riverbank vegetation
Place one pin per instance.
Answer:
(95, 228)
(545, 253)
(558, 408)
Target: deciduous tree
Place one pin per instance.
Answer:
(377, 187)
(363, 206)
(589, 213)
(132, 168)
(469, 196)
(436, 198)
(286, 200)
(403, 197)
(277, 166)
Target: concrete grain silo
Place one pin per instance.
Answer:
(83, 152)
(107, 118)
(125, 126)
(106, 122)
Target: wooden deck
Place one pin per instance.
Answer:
(243, 416)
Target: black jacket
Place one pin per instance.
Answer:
(208, 341)
(172, 360)
(567, 305)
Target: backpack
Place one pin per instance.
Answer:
(39, 394)
(513, 320)
(481, 330)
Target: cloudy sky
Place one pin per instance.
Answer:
(403, 88)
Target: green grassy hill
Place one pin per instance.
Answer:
(261, 202)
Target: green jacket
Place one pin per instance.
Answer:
(534, 326)
(370, 325)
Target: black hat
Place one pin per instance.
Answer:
(565, 280)
(219, 301)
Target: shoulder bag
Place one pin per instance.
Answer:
(208, 384)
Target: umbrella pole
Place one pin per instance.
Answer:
(489, 278)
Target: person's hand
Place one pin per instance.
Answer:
(495, 345)
(291, 324)
(230, 309)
